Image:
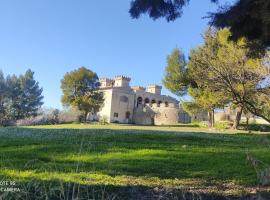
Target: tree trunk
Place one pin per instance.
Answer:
(85, 117)
(247, 120)
(236, 122)
(211, 119)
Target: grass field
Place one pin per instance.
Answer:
(110, 158)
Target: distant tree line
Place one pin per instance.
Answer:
(20, 97)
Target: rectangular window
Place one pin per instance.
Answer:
(115, 114)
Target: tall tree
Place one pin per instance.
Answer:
(31, 95)
(176, 77)
(20, 97)
(226, 66)
(3, 96)
(80, 89)
(180, 81)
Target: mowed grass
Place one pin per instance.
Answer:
(121, 155)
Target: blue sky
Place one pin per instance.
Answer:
(52, 37)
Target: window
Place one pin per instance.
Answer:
(139, 101)
(127, 115)
(115, 114)
(123, 99)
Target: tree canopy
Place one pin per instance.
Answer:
(228, 67)
(80, 89)
(219, 73)
(180, 81)
(247, 18)
(20, 97)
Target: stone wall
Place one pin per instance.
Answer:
(152, 114)
(166, 115)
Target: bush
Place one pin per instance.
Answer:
(255, 127)
(202, 124)
(69, 115)
(223, 125)
(103, 119)
(45, 117)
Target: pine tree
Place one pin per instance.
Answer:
(30, 95)
(228, 67)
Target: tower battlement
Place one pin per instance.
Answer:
(106, 82)
(153, 88)
(121, 81)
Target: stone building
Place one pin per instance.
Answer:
(139, 105)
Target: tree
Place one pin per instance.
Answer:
(3, 95)
(180, 81)
(176, 77)
(31, 95)
(170, 9)
(20, 97)
(227, 66)
(247, 18)
(207, 100)
(80, 89)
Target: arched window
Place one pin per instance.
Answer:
(139, 101)
(159, 102)
(153, 101)
(166, 104)
(146, 101)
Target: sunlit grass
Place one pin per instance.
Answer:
(126, 155)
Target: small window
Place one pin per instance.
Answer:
(124, 99)
(115, 114)
(127, 115)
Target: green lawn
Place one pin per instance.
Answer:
(118, 156)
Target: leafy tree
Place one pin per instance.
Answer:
(247, 18)
(80, 89)
(180, 81)
(226, 66)
(208, 100)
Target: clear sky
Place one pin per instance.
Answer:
(52, 37)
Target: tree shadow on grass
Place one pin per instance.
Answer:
(54, 190)
(139, 153)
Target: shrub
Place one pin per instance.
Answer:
(46, 116)
(69, 115)
(201, 124)
(223, 125)
(103, 119)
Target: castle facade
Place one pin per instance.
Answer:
(139, 105)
